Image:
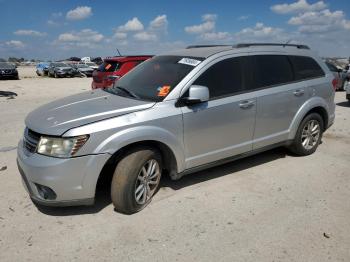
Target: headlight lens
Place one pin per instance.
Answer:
(61, 146)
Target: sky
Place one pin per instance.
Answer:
(50, 30)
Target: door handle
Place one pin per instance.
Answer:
(246, 104)
(299, 92)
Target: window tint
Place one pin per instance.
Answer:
(305, 67)
(223, 78)
(272, 70)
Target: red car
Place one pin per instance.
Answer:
(113, 68)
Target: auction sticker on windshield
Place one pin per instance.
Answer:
(189, 61)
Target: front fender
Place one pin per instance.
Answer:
(303, 111)
(143, 133)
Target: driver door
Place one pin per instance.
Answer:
(223, 126)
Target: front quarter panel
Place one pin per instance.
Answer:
(161, 123)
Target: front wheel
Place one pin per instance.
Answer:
(308, 136)
(136, 180)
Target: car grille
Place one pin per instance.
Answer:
(6, 71)
(30, 140)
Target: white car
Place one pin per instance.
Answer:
(91, 65)
(347, 89)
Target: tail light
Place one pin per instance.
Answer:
(335, 83)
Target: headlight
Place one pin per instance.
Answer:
(61, 146)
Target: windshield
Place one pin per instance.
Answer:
(6, 65)
(109, 66)
(154, 79)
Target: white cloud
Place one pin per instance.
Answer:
(131, 25)
(52, 23)
(84, 38)
(299, 6)
(322, 21)
(145, 36)
(86, 35)
(216, 36)
(160, 23)
(120, 35)
(57, 15)
(243, 17)
(208, 25)
(79, 13)
(15, 44)
(29, 33)
(261, 33)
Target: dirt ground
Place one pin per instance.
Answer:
(269, 207)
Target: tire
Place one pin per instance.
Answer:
(300, 146)
(128, 189)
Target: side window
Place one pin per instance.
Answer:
(272, 70)
(305, 67)
(223, 78)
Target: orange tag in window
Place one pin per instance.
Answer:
(164, 91)
(108, 66)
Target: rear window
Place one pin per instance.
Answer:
(272, 70)
(305, 67)
(109, 66)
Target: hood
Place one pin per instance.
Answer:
(61, 115)
(7, 68)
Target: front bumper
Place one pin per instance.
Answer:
(9, 75)
(73, 180)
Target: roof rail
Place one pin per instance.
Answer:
(270, 44)
(202, 46)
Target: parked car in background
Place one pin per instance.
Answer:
(83, 69)
(113, 68)
(175, 114)
(91, 65)
(347, 88)
(42, 68)
(58, 69)
(339, 77)
(8, 71)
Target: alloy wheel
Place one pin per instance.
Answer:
(310, 134)
(147, 181)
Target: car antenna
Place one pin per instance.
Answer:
(119, 52)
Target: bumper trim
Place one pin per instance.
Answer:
(76, 202)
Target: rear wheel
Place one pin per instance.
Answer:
(136, 180)
(308, 136)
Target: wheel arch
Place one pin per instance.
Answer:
(316, 105)
(170, 164)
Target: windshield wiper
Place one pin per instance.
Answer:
(129, 93)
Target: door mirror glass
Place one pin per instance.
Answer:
(197, 94)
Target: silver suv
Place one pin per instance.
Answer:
(175, 114)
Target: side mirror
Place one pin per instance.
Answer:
(197, 94)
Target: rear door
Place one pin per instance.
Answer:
(279, 98)
(223, 126)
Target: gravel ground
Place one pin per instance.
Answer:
(269, 207)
